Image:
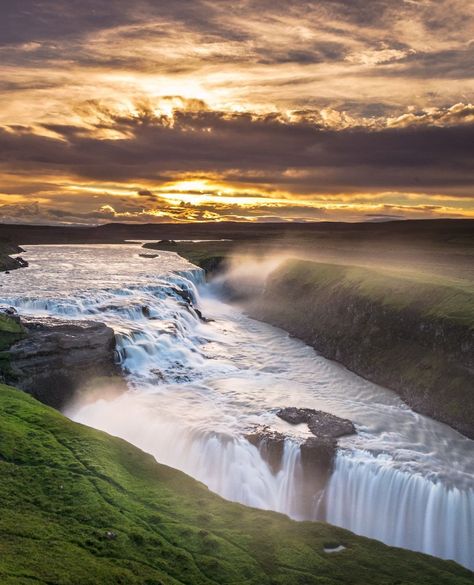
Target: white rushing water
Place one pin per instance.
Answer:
(198, 387)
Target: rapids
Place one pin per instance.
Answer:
(196, 387)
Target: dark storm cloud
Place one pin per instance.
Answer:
(25, 21)
(299, 155)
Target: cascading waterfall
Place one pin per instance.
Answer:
(198, 386)
(228, 465)
(367, 495)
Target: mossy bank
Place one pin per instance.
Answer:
(79, 507)
(406, 331)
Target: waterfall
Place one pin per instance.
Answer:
(365, 494)
(228, 465)
(369, 496)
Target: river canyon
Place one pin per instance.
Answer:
(202, 375)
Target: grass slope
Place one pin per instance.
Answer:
(207, 255)
(10, 331)
(79, 507)
(430, 295)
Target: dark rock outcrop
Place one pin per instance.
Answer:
(8, 263)
(321, 424)
(271, 445)
(162, 244)
(318, 452)
(56, 358)
(213, 265)
(317, 463)
(317, 459)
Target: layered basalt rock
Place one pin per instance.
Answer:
(55, 358)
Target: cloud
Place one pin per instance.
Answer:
(321, 53)
(452, 116)
(333, 100)
(412, 153)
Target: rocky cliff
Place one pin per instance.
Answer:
(8, 263)
(412, 336)
(53, 358)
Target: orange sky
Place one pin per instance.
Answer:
(252, 110)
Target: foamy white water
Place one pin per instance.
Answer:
(196, 389)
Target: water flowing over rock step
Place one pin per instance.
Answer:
(317, 453)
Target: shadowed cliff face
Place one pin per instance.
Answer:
(415, 338)
(52, 359)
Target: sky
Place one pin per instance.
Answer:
(250, 110)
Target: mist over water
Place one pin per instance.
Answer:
(198, 387)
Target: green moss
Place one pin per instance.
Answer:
(10, 331)
(207, 255)
(9, 325)
(81, 507)
(428, 294)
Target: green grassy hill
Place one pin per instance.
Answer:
(79, 507)
(430, 295)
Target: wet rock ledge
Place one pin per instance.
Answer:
(317, 452)
(52, 358)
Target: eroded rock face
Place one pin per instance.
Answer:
(317, 453)
(321, 424)
(57, 357)
(271, 445)
(317, 463)
(317, 457)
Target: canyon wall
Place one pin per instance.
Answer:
(397, 330)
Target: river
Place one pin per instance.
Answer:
(196, 388)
